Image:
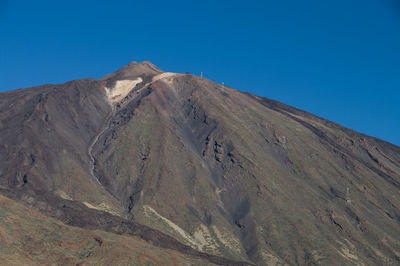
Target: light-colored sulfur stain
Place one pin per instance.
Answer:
(124, 87)
(205, 240)
(199, 236)
(218, 192)
(149, 210)
(164, 75)
(229, 241)
(270, 259)
(345, 252)
(121, 89)
(63, 195)
(202, 238)
(101, 207)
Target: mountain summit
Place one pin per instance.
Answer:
(202, 172)
(134, 70)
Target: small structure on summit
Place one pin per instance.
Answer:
(223, 90)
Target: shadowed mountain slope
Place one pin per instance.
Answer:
(201, 168)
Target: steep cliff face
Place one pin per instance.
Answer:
(224, 174)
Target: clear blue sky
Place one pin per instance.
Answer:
(339, 59)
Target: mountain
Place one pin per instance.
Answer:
(202, 172)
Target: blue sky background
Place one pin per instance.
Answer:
(338, 59)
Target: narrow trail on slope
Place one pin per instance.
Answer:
(96, 138)
(106, 124)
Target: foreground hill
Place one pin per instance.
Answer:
(30, 238)
(205, 170)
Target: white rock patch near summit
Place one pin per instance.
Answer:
(121, 89)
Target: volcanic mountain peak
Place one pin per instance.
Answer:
(120, 85)
(134, 70)
(182, 161)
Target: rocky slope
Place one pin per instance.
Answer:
(211, 172)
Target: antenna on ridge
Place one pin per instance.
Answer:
(348, 200)
(223, 89)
